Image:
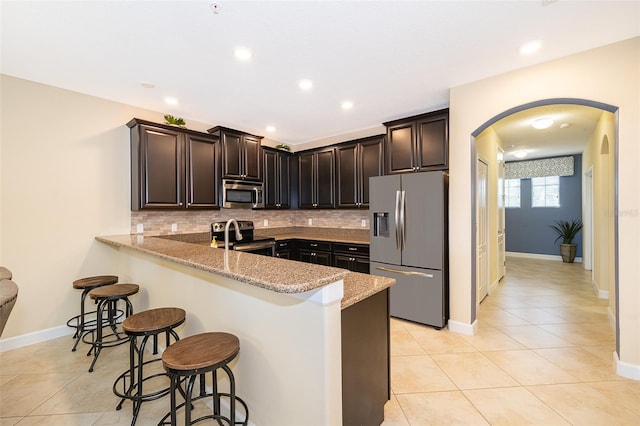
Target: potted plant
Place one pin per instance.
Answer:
(567, 231)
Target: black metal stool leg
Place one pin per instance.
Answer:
(97, 343)
(80, 329)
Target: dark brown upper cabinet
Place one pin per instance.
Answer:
(276, 173)
(241, 153)
(316, 178)
(172, 168)
(356, 162)
(418, 143)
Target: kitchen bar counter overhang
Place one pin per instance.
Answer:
(286, 314)
(270, 273)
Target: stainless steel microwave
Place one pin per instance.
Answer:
(239, 194)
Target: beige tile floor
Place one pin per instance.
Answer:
(543, 355)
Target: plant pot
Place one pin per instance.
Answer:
(568, 252)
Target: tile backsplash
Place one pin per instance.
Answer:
(156, 222)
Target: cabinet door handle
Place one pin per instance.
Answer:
(313, 245)
(397, 271)
(353, 248)
(283, 244)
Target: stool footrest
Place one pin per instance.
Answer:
(166, 420)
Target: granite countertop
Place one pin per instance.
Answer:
(271, 273)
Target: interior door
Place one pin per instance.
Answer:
(501, 228)
(482, 226)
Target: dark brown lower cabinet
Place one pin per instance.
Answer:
(317, 257)
(365, 361)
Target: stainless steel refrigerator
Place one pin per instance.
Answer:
(409, 243)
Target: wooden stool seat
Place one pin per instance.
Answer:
(154, 321)
(206, 351)
(80, 321)
(93, 282)
(130, 385)
(193, 357)
(107, 298)
(115, 291)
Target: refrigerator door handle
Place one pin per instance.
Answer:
(402, 220)
(397, 220)
(397, 271)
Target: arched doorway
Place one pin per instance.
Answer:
(608, 175)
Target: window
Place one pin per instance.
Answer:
(545, 191)
(512, 193)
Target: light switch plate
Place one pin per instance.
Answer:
(310, 222)
(174, 227)
(364, 223)
(265, 223)
(140, 228)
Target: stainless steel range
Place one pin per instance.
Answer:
(259, 245)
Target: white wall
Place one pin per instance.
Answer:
(65, 178)
(609, 74)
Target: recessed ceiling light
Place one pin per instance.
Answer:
(305, 84)
(520, 154)
(170, 101)
(530, 47)
(147, 85)
(542, 123)
(242, 53)
(271, 129)
(565, 125)
(215, 7)
(346, 105)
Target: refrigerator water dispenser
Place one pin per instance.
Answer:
(381, 224)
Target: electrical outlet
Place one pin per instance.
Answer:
(363, 223)
(174, 227)
(140, 228)
(265, 223)
(310, 221)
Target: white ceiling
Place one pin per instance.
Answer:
(518, 134)
(391, 58)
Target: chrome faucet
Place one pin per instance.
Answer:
(226, 234)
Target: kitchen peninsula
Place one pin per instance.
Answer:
(298, 325)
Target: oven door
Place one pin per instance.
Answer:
(265, 248)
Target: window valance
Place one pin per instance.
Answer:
(557, 166)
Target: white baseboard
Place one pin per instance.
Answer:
(539, 256)
(624, 369)
(35, 337)
(463, 328)
(602, 294)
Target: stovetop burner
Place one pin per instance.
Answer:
(249, 243)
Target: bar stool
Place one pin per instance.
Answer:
(107, 298)
(195, 356)
(79, 322)
(145, 324)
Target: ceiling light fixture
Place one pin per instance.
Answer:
(305, 84)
(170, 101)
(530, 47)
(271, 129)
(242, 53)
(565, 125)
(542, 123)
(346, 105)
(147, 85)
(520, 154)
(215, 7)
